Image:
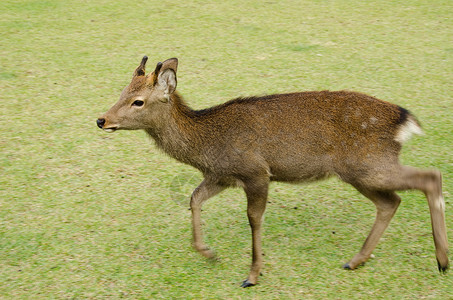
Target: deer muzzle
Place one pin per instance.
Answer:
(101, 124)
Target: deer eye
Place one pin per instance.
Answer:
(138, 103)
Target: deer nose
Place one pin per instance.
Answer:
(100, 123)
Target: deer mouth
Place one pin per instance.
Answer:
(110, 129)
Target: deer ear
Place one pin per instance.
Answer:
(166, 77)
(167, 82)
(171, 63)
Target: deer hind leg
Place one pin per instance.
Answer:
(407, 178)
(202, 193)
(386, 205)
(430, 183)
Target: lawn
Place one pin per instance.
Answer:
(90, 215)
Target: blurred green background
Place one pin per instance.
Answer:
(84, 214)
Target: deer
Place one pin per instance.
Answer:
(249, 142)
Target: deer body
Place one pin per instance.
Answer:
(296, 137)
(290, 146)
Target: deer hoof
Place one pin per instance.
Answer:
(209, 254)
(206, 252)
(214, 259)
(346, 266)
(246, 283)
(442, 269)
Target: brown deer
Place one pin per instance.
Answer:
(298, 137)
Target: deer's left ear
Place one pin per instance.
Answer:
(166, 77)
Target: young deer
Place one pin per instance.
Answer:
(298, 137)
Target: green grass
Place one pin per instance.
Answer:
(84, 214)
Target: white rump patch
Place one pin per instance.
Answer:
(406, 130)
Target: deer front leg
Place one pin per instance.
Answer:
(202, 193)
(256, 204)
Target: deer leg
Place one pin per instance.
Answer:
(399, 178)
(437, 210)
(202, 193)
(256, 205)
(386, 205)
(430, 183)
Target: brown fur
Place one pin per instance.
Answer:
(295, 137)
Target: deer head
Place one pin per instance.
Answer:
(145, 99)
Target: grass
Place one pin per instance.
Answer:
(90, 215)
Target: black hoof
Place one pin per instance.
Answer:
(442, 269)
(246, 283)
(346, 266)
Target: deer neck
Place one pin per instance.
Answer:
(176, 133)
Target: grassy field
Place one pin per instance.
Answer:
(90, 215)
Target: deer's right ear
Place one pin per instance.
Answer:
(166, 77)
(167, 82)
